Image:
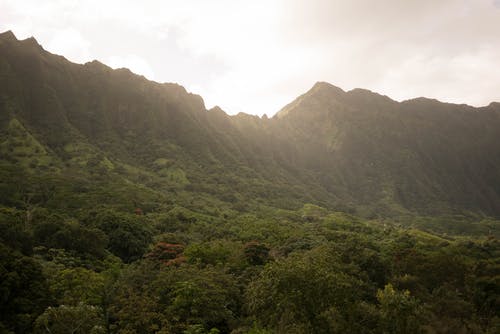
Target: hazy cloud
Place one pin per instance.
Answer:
(71, 44)
(256, 56)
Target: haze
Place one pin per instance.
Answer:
(256, 56)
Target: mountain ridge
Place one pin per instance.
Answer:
(318, 86)
(355, 151)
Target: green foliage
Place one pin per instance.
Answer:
(80, 319)
(13, 231)
(71, 236)
(199, 329)
(129, 236)
(23, 290)
(328, 275)
(256, 253)
(218, 252)
(292, 294)
(193, 296)
(400, 312)
(72, 286)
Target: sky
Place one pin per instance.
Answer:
(256, 56)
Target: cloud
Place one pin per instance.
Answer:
(256, 56)
(71, 44)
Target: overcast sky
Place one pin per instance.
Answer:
(256, 56)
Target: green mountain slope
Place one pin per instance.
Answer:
(353, 151)
(90, 116)
(420, 154)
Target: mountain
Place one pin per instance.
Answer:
(419, 154)
(354, 151)
(128, 207)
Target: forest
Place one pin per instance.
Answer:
(176, 270)
(127, 207)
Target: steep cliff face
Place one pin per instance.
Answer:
(77, 111)
(355, 150)
(420, 154)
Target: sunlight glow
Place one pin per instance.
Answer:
(256, 56)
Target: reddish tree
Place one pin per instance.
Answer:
(256, 252)
(170, 254)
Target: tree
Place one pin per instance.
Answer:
(128, 235)
(133, 306)
(80, 319)
(71, 236)
(256, 253)
(400, 312)
(193, 296)
(23, 290)
(291, 294)
(72, 286)
(13, 232)
(167, 253)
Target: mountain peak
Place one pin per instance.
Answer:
(325, 87)
(8, 36)
(97, 64)
(321, 91)
(216, 110)
(421, 101)
(31, 40)
(494, 105)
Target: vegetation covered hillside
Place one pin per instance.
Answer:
(127, 207)
(353, 151)
(420, 155)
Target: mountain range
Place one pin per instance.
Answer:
(128, 207)
(77, 136)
